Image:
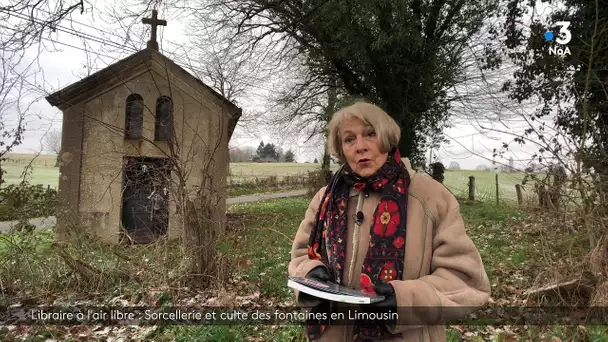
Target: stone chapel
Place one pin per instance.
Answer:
(124, 129)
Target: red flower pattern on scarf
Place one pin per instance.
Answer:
(388, 272)
(366, 285)
(387, 220)
(398, 242)
(313, 252)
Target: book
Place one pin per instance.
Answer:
(331, 291)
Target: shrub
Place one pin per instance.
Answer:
(266, 184)
(437, 170)
(25, 201)
(316, 180)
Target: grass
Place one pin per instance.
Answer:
(39, 243)
(230, 333)
(269, 257)
(263, 250)
(45, 175)
(31, 268)
(260, 241)
(511, 258)
(516, 249)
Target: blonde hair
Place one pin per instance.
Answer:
(387, 130)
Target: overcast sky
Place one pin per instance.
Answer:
(88, 43)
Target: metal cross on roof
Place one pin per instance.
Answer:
(154, 22)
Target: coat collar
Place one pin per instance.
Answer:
(408, 167)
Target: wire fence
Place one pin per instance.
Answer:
(41, 160)
(510, 188)
(486, 186)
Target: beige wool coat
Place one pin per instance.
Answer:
(442, 267)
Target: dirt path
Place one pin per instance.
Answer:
(49, 222)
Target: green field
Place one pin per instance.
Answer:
(46, 175)
(43, 172)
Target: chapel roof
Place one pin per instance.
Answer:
(90, 85)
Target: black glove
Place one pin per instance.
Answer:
(389, 304)
(317, 273)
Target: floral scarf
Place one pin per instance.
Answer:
(386, 252)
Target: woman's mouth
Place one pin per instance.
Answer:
(364, 161)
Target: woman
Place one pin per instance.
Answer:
(381, 228)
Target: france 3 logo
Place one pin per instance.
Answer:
(564, 38)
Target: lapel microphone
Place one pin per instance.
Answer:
(359, 217)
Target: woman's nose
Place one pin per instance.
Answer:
(360, 145)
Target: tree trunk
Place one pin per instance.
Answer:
(407, 139)
(405, 142)
(201, 242)
(325, 164)
(332, 98)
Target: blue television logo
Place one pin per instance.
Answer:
(563, 38)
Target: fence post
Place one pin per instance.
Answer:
(520, 198)
(472, 188)
(497, 189)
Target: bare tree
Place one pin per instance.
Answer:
(52, 143)
(31, 21)
(12, 111)
(454, 166)
(241, 154)
(27, 24)
(221, 65)
(307, 103)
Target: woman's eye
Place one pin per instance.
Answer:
(348, 140)
(371, 134)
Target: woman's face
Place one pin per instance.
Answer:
(361, 147)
